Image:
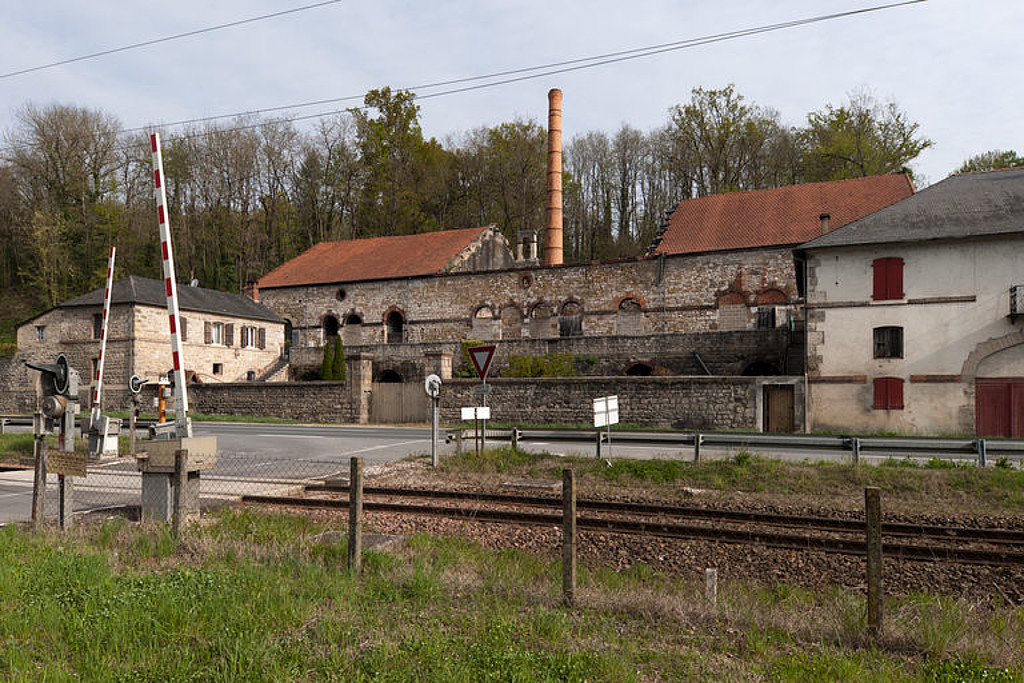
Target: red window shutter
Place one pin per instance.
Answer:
(895, 393)
(888, 393)
(895, 279)
(881, 393)
(888, 279)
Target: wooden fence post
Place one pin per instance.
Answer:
(569, 537)
(873, 518)
(355, 517)
(39, 483)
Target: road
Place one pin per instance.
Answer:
(263, 458)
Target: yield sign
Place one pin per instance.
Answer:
(481, 357)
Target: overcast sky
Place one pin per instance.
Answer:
(951, 65)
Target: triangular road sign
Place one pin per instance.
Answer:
(481, 357)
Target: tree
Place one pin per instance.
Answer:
(991, 161)
(399, 168)
(864, 137)
(724, 144)
(327, 366)
(338, 367)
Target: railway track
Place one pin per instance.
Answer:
(961, 545)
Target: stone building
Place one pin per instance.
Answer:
(225, 338)
(915, 313)
(722, 264)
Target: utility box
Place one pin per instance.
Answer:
(156, 462)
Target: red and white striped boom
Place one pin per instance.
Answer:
(97, 387)
(183, 426)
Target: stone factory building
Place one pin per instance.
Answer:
(915, 314)
(225, 338)
(722, 264)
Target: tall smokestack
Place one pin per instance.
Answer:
(553, 222)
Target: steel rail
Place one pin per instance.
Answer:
(843, 546)
(976, 534)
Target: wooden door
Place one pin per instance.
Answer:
(778, 408)
(397, 403)
(999, 406)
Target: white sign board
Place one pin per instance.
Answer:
(476, 413)
(606, 411)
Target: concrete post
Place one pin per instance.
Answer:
(355, 517)
(360, 374)
(178, 488)
(66, 501)
(569, 537)
(697, 441)
(711, 586)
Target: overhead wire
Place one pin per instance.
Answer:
(499, 78)
(165, 39)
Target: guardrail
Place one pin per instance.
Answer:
(978, 449)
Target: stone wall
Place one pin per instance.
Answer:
(672, 294)
(711, 403)
(681, 402)
(724, 353)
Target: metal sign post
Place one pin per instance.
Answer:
(606, 413)
(432, 385)
(481, 356)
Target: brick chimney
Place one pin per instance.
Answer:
(553, 222)
(825, 220)
(252, 290)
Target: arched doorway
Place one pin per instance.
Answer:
(330, 326)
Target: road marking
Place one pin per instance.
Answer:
(291, 436)
(389, 445)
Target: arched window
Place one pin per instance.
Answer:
(629, 319)
(484, 323)
(511, 322)
(394, 328)
(331, 326)
(352, 331)
(540, 321)
(570, 320)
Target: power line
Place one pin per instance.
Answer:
(506, 77)
(166, 39)
(539, 71)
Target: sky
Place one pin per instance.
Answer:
(950, 65)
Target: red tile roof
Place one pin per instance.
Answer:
(377, 258)
(778, 216)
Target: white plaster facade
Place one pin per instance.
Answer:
(956, 328)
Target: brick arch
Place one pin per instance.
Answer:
(511, 304)
(771, 295)
(485, 307)
(630, 295)
(352, 312)
(986, 349)
(538, 304)
(732, 298)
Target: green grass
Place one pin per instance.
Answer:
(15, 446)
(249, 596)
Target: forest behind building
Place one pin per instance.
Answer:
(246, 195)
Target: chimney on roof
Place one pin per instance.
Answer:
(553, 222)
(252, 290)
(825, 220)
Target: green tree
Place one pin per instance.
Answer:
(338, 366)
(327, 365)
(400, 170)
(724, 143)
(864, 137)
(991, 161)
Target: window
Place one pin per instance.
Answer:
(394, 327)
(41, 332)
(247, 337)
(888, 277)
(765, 317)
(888, 393)
(218, 368)
(97, 325)
(888, 342)
(570, 320)
(216, 333)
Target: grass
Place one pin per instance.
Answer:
(251, 596)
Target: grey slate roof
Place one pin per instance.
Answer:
(961, 206)
(143, 290)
